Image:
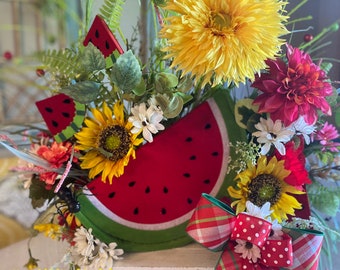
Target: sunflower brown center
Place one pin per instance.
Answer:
(264, 188)
(114, 142)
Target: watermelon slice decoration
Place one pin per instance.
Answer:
(62, 115)
(148, 207)
(101, 37)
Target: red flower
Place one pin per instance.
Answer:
(293, 89)
(295, 162)
(57, 155)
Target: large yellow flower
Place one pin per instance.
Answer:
(265, 183)
(223, 40)
(107, 142)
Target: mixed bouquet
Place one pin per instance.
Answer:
(114, 124)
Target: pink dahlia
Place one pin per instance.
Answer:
(295, 88)
(326, 135)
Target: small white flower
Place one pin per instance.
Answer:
(271, 133)
(248, 250)
(147, 120)
(106, 255)
(261, 212)
(302, 128)
(84, 242)
(276, 232)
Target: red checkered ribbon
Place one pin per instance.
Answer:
(215, 225)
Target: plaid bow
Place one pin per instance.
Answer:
(215, 225)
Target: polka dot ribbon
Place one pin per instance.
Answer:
(216, 226)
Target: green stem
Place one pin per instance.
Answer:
(307, 18)
(297, 7)
(332, 28)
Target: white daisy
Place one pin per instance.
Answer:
(147, 120)
(261, 212)
(302, 128)
(271, 133)
(248, 250)
(84, 242)
(106, 255)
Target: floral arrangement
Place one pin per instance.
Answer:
(106, 104)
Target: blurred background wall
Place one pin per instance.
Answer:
(29, 26)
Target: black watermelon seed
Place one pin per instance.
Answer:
(97, 34)
(136, 211)
(163, 211)
(165, 190)
(215, 154)
(131, 184)
(206, 181)
(67, 101)
(112, 194)
(207, 126)
(65, 114)
(189, 200)
(189, 139)
(54, 123)
(147, 190)
(193, 157)
(48, 109)
(187, 175)
(107, 45)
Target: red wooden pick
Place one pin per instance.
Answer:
(101, 37)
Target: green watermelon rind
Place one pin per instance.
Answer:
(144, 240)
(74, 126)
(137, 242)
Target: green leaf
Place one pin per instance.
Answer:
(61, 61)
(337, 116)
(185, 97)
(174, 107)
(140, 88)
(38, 193)
(126, 72)
(93, 59)
(185, 84)
(83, 92)
(111, 12)
(165, 82)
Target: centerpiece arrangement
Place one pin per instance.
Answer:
(226, 121)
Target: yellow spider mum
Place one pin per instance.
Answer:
(107, 141)
(223, 40)
(263, 183)
(53, 231)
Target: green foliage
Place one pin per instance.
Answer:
(61, 61)
(111, 12)
(92, 59)
(325, 199)
(38, 193)
(126, 72)
(84, 92)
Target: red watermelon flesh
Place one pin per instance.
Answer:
(148, 206)
(164, 183)
(57, 111)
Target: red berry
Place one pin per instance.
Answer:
(40, 72)
(308, 37)
(7, 55)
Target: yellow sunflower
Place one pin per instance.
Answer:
(263, 183)
(221, 41)
(107, 142)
